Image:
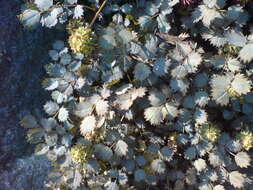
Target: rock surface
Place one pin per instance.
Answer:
(22, 57)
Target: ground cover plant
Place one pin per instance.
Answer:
(146, 94)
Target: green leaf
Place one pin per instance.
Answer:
(88, 125)
(158, 166)
(51, 107)
(154, 115)
(241, 84)
(30, 18)
(200, 164)
(219, 85)
(156, 98)
(103, 152)
(246, 54)
(242, 159)
(43, 4)
(41, 149)
(237, 179)
(29, 121)
(121, 148)
(63, 114)
(141, 71)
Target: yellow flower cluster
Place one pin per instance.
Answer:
(210, 132)
(81, 40)
(230, 50)
(80, 153)
(232, 93)
(246, 139)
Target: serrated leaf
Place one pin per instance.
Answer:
(219, 86)
(193, 60)
(29, 121)
(246, 54)
(103, 152)
(41, 149)
(163, 24)
(51, 107)
(235, 38)
(216, 39)
(154, 115)
(179, 85)
(216, 159)
(44, 4)
(156, 98)
(49, 19)
(237, 179)
(218, 187)
(234, 65)
(139, 175)
(161, 66)
(111, 186)
(121, 148)
(50, 84)
(141, 71)
(200, 116)
(83, 109)
(242, 159)
(30, 18)
(190, 153)
(201, 98)
(158, 166)
(102, 107)
(78, 12)
(200, 164)
(88, 125)
(171, 111)
(63, 114)
(241, 84)
(77, 179)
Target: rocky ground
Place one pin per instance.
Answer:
(22, 56)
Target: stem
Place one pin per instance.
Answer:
(97, 13)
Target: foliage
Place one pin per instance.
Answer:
(162, 98)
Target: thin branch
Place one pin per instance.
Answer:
(97, 13)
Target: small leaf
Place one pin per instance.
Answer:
(139, 175)
(154, 115)
(83, 109)
(158, 166)
(241, 84)
(111, 186)
(88, 125)
(161, 66)
(246, 54)
(30, 18)
(237, 179)
(29, 121)
(50, 84)
(156, 98)
(121, 148)
(218, 187)
(200, 164)
(63, 114)
(41, 149)
(51, 108)
(103, 152)
(242, 159)
(141, 71)
(102, 107)
(44, 4)
(78, 12)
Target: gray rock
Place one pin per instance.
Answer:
(23, 55)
